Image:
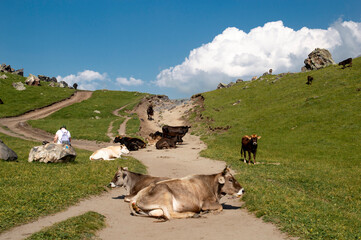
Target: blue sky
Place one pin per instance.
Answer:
(177, 48)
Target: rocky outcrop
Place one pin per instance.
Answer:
(32, 80)
(3, 76)
(8, 69)
(52, 152)
(47, 79)
(318, 58)
(18, 86)
(221, 85)
(6, 153)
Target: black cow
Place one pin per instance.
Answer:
(179, 132)
(249, 144)
(150, 112)
(344, 62)
(166, 143)
(75, 86)
(133, 144)
(1, 101)
(309, 80)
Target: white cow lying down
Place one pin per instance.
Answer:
(109, 153)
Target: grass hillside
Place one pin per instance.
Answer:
(18, 102)
(90, 119)
(30, 190)
(309, 182)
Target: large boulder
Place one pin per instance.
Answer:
(18, 86)
(52, 152)
(6, 153)
(318, 58)
(19, 72)
(32, 80)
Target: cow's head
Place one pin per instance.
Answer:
(253, 138)
(119, 178)
(124, 149)
(228, 184)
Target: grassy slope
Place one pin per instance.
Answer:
(80, 227)
(29, 190)
(312, 131)
(81, 120)
(31, 98)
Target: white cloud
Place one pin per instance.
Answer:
(87, 79)
(236, 54)
(129, 82)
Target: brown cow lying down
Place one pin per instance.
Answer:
(185, 197)
(166, 143)
(132, 182)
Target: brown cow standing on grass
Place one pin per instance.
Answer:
(132, 182)
(185, 197)
(249, 144)
(345, 62)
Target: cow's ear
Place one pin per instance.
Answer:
(258, 137)
(221, 180)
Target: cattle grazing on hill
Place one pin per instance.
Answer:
(166, 143)
(132, 182)
(345, 62)
(185, 197)
(150, 112)
(249, 144)
(133, 144)
(309, 80)
(172, 131)
(109, 153)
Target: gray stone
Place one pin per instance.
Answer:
(221, 85)
(3, 76)
(230, 84)
(6, 153)
(239, 80)
(19, 72)
(63, 84)
(318, 58)
(32, 80)
(44, 78)
(52, 152)
(18, 86)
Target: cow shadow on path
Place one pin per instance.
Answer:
(119, 197)
(229, 207)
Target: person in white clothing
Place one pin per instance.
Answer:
(62, 136)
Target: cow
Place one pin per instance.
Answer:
(166, 143)
(172, 131)
(150, 112)
(185, 197)
(345, 62)
(270, 71)
(309, 80)
(132, 182)
(109, 153)
(1, 101)
(133, 144)
(75, 86)
(249, 144)
(153, 138)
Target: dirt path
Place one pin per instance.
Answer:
(233, 222)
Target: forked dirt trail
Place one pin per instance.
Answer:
(232, 223)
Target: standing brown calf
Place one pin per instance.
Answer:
(249, 144)
(309, 80)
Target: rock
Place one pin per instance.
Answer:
(63, 84)
(53, 79)
(239, 80)
(18, 86)
(32, 80)
(254, 78)
(6, 153)
(5, 68)
(221, 85)
(19, 72)
(44, 78)
(97, 111)
(52, 152)
(230, 84)
(3, 76)
(318, 58)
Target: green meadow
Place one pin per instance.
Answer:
(308, 180)
(18, 102)
(90, 119)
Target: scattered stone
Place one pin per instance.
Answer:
(52, 152)
(239, 80)
(318, 58)
(230, 84)
(97, 111)
(63, 84)
(6, 153)
(19, 72)
(32, 80)
(18, 86)
(221, 85)
(3, 76)
(254, 78)
(236, 103)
